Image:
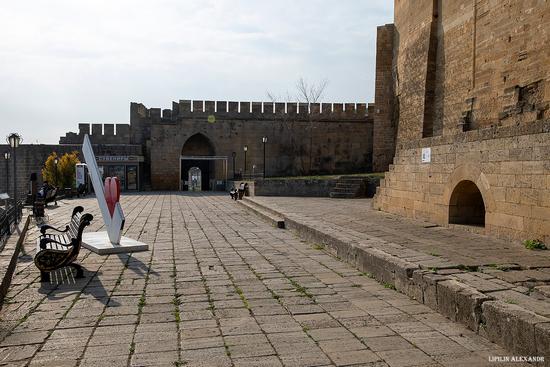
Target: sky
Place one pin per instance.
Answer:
(63, 62)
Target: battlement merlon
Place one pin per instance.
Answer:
(99, 133)
(251, 110)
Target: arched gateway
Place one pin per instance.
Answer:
(198, 157)
(466, 205)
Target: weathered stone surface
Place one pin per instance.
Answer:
(451, 291)
(512, 326)
(209, 295)
(460, 302)
(476, 95)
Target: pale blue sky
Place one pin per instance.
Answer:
(63, 62)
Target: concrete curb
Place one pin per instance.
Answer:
(512, 327)
(9, 256)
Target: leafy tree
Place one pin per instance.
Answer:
(63, 174)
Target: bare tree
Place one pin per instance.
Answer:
(305, 93)
(310, 93)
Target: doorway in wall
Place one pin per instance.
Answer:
(466, 205)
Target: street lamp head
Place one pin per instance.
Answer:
(14, 139)
(56, 161)
(245, 148)
(7, 155)
(234, 154)
(264, 139)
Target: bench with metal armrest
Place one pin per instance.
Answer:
(57, 248)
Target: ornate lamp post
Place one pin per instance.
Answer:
(245, 148)
(234, 155)
(56, 161)
(14, 139)
(264, 141)
(7, 158)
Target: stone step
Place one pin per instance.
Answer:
(342, 195)
(265, 214)
(351, 179)
(345, 189)
(343, 185)
(251, 201)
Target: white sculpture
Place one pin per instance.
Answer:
(111, 241)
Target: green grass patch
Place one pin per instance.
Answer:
(300, 288)
(368, 275)
(468, 268)
(534, 245)
(141, 303)
(328, 177)
(177, 316)
(318, 247)
(390, 286)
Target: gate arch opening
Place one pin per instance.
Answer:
(466, 205)
(197, 146)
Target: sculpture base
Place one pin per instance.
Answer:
(99, 243)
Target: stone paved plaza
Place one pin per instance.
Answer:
(219, 287)
(456, 245)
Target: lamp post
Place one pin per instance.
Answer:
(245, 148)
(14, 139)
(56, 161)
(264, 141)
(7, 158)
(234, 155)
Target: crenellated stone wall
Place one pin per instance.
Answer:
(99, 134)
(315, 138)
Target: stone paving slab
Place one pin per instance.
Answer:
(419, 270)
(219, 287)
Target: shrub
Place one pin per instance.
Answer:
(534, 245)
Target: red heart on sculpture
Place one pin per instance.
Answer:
(112, 193)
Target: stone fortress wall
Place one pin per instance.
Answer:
(31, 159)
(340, 140)
(99, 134)
(302, 138)
(470, 81)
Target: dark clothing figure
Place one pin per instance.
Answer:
(43, 192)
(233, 193)
(241, 190)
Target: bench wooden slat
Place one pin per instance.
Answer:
(46, 260)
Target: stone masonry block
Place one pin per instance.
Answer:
(513, 327)
(460, 302)
(542, 339)
(244, 107)
(268, 107)
(109, 129)
(426, 283)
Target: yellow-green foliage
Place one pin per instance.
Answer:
(65, 175)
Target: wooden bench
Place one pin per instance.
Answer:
(57, 248)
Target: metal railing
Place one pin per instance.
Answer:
(9, 220)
